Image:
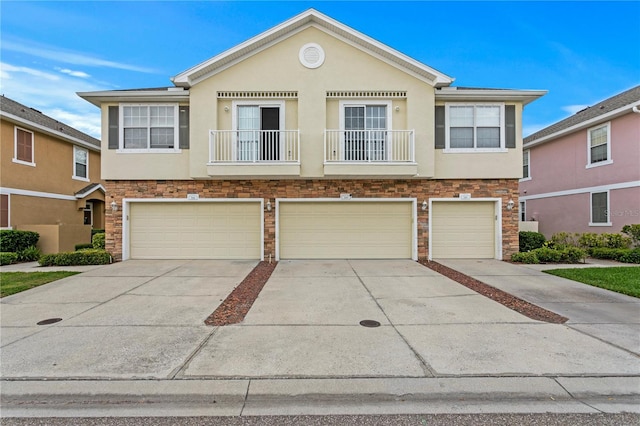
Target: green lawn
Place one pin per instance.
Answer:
(625, 280)
(15, 282)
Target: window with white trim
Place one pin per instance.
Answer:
(523, 211)
(80, 163)
(364, 126)
(149, 127)
(23, 147)
(599, 145)
(526, 158)
(600, 209)
(475, 127)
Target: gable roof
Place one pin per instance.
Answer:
(89, 189)
(310, 18)
(29, 117)
(614, 106)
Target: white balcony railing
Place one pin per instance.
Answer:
(254, 146)
(380, 146)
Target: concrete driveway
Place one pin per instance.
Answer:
(144, 319)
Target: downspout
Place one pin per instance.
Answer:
(635, 109)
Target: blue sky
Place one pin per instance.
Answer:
(581, 52)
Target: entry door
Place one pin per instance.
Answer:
(258, 133)
(365, 132)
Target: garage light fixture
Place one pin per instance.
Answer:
(269, 205)
(510, 205)
(424, 205)
(114, 206)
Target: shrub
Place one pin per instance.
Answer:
(7, 258)
(82, 257)
(525, 257)
(562, 240)
(96, 231)
(607, 253)
(83, 246)
(16, 241)
(631, 256)
(530, 240)
(567, 254)
(98, 241)
(589, 240)
(633, 231)
(572, 255)
(30, 254)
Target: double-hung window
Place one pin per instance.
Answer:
(600, 209)
(80, 163)
(599, 145)
(523, 211)
(475, 127)
(526, 160)
(23, 147)
(149, 127)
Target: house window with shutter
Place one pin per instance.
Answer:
(23, 147)
(474, 127)
(148, 128)
(599, 145)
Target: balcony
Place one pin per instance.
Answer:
(369, 153)
(254, 153)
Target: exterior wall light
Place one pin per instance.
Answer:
(269, 205)
(510, 205)
(114, 206)
(226, 109)
(424, 205)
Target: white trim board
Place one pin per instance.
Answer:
(27, 193)
(498, 219)
(414, 217)
(599, 188)
(127, 201)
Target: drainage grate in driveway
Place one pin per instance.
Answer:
(369, 323)
(49, 321)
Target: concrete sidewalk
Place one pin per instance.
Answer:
(132, 342)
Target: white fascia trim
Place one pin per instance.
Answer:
(43, 129)
(600, 188)
(84, 194)
(588, 123)
(498, 215)
(293, 25)
(497, 95)
(126, 202)
(414, 215)
(97, 98)
(27, 193)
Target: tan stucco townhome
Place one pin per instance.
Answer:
(50, 178)
(311, 140)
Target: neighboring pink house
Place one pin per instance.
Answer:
(582, 174)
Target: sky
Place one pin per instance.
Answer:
(581, 52)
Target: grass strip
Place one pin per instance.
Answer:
(623, 279)
(15, 282)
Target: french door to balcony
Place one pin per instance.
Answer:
(365, 133)
(258, 133)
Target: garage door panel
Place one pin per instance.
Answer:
(355, 230)
(463, 230)
(195, 230)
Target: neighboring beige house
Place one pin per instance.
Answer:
(582, 174)
(311, 140)
(50, 178)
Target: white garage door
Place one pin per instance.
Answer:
(204, 230)
(463, 230)
(345, 230)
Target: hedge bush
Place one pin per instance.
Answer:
(82, 257)
(98, 241)
(83, 246)
(633, 231)
(620, 255)
(525, 257)
(7, 258)
(590, 240)
(16, 241)
(530, 240)
(96, 231)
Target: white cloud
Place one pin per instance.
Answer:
(80, 74)
(572, 109)
(88, 124)
(66, 56)
(7, 69)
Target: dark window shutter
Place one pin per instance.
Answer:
(184, 127)
(114, 132)
(440, 133)
(510, 125)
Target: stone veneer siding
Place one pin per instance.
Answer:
(422, 189)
